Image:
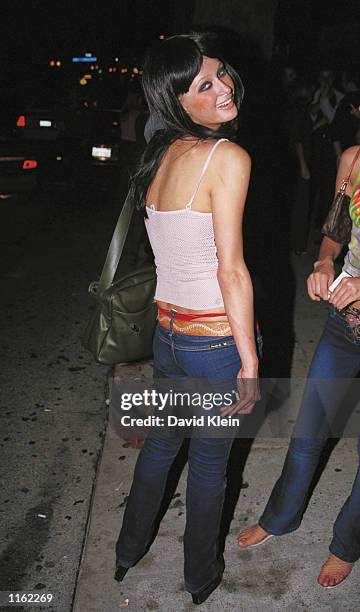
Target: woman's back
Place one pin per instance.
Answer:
(182, 237)
(178, 176)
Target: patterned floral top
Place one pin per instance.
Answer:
(352, 259)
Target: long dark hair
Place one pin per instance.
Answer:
(170, 68)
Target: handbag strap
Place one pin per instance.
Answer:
(346, 180)
(116, 246)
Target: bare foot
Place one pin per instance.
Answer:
(252, 536)
(333, 572)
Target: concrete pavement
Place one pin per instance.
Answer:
(281, 575)
(53, 414)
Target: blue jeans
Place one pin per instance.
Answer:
(181, 356)
(335, 363)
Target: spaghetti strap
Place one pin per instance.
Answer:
(208, 159)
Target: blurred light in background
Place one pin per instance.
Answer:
(29, 164)
(87, 58)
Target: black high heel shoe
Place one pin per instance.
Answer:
(120, 572)
(201, 596)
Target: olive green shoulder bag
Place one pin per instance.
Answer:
(122, 324)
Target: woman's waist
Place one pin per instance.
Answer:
(193, 322)
(192, 297)
(353, 309)
(351, 313)
(204, 315)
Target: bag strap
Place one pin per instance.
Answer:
(116, 246)
(346, 180)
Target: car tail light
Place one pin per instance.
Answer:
(29, 164)
(21, 121)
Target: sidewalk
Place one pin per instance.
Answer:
(277, 577)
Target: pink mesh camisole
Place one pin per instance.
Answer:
(185, 254)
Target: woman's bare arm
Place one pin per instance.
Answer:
(230, 180)
(321, 278)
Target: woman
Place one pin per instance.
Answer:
(335, 363)
(192, 184)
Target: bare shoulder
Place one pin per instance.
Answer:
(230, 159)
(346, 160)
(348, 155)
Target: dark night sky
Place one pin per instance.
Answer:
(33, 31)
(38, 28)
(42, 26)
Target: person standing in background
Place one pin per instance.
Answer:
(298, 127)
(345, 129)
(322, 112)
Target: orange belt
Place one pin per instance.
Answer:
(185, 323)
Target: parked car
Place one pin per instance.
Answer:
(18, 170)
(101, 160)
(40, 124)
(103, 146)
(57, 134)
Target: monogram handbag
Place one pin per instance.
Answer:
(122, 324)
(338, 223)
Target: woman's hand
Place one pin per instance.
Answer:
(248, 392)
(320, 280)
(347, 291)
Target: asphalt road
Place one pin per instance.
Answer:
(53, 409)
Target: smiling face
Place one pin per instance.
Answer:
(210, 99)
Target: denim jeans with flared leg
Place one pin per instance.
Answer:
(335, 364)
(180, 356)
